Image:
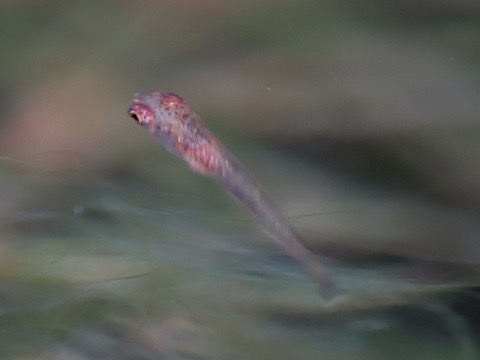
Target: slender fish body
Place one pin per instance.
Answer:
(182, 132)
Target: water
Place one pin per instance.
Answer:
(360, 122)
(95, 268)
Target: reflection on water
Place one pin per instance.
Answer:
(101, 269)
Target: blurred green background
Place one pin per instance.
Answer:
(360, 120)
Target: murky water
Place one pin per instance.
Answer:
(359, 119)
(123, 268)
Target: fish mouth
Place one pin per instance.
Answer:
(141, 113)
(133, 114)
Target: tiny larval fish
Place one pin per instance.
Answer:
(182, 132)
